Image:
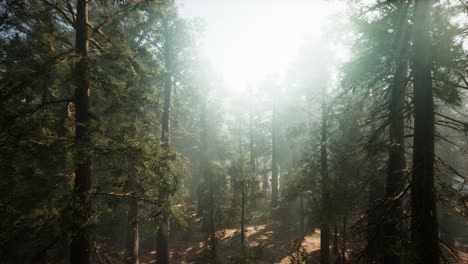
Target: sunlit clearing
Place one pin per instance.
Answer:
(248, 40)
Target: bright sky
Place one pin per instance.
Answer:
(249, 39)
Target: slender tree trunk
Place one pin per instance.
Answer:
(392, 227)
(202, 206)
(424, 229)
(212, 225)
(236, 179)
(343, 249)
(274, 161)
(162, 241)
(374, 219)
(335, 239)
(252, 149)
(265, 186)
(324, 229)
(209, 177)
(301, 215)
(133, 236)
(162, 237)
(81, 237)
(242, 231)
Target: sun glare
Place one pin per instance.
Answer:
(248, 40)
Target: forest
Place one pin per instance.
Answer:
(222, 131)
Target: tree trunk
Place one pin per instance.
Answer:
(162, 237)
(374, 219)
(343, 249)
(133, 237)
(252, 149)
(202, 203)
(392, 228)
(324, 229)
(274, 162)
(252, 144)
(335, 239)
(162, 241)
(212, 225)
(242, 231)
(81, 239)
(324, 243)
(301, 215)
(424, 230)
(204, 171)
(265, 186)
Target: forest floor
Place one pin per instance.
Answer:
(266, 241)
(462, 251)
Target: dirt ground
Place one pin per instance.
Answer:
(265, 244)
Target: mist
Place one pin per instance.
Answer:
(216, 131)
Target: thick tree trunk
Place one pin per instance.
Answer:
(324, 229)
(274, 161)
(424, 230)
(81, 239)
(392, 227)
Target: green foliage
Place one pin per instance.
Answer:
(129, 61)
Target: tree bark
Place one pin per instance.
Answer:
(301, 215)
(274, 162)
(242, 231)
(212, 225)
(324, 229)
(343, 249)
(374, 219)
(265, 186)
(252, 148)
(162, 237)
(392, 227)
(209, 178)
(80, 251)
(335, 239)
(201, 206)
(424, 230)
(133, 237)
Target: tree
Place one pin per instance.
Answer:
(424, 230)
(393, 225)
(81, 237)
(162, 243)
(325, 188)
(274, 157)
